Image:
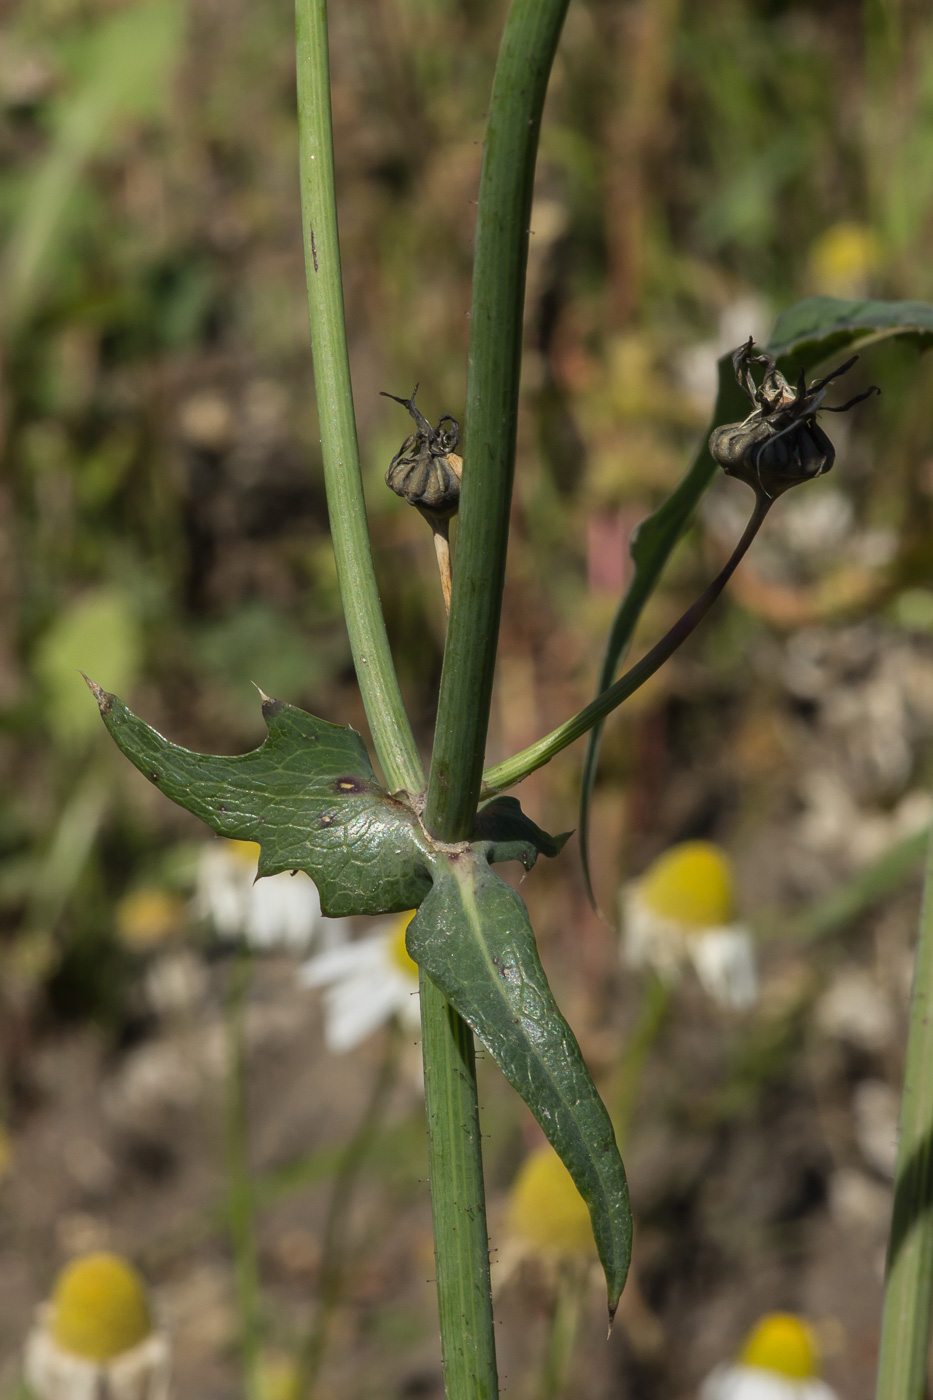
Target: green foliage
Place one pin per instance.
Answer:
(804, 336)
(473, 937)
(99, 632)
(310, 797)
(121, 69)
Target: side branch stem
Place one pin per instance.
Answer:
(514, 769)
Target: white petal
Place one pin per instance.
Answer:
(223, 886)
(649, 940)
(356, 1009)
(756, 1383)
(337, 964)
(724, 959)
(284, 911)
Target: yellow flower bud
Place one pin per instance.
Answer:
(545, 1208)
(99, 1307)
(782, 1343)
(397, 949)
(691, 883)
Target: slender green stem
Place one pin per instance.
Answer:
(564, 1324)
(514, 769)
(335, 1245)
(241, 1203)
(458, 1201)
(391, 731)
(656, 1000)
(843, 905)
(908, 1294)
(502, 229)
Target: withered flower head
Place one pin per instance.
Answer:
(426, 470)
(780, 443)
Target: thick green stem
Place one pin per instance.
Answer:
(502, 228)
(504, 211)
(391, 731)
(458, 1201)
(908, 1294)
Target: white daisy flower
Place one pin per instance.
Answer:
(779, 1361)
(366, 983)
(278, 911)
(95, 1337)
(682, 910)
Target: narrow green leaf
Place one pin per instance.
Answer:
(804, 335)
(308, 795)
(473, 938)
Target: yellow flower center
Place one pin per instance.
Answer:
(845, 256)
(99, 1308)
(545, 1208)
(692, 884)
(782, 1343)
(245, 852)
(147, 917)
(397, 950)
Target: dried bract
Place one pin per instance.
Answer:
(780, 443)
(426, 470)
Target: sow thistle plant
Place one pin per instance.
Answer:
(384, 844)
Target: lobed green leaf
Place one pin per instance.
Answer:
(308, 795)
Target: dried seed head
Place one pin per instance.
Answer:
(780, 443)
(426, 470)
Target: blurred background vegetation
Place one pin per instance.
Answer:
(163, 527)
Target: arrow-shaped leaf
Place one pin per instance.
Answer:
(473, 938)
(308, 795)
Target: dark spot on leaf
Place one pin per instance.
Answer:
(222, 807)
(327, 819)
(349, 785)
(154, 776)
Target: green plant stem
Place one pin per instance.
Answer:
(908, 1294)
(391, 731)
(241, 1203)
(504, 210)
(655, 1004)
(564, 1324)
(458, 1201)
(502, 230)
(842, 906)
(335, 1245)
(514, 769)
